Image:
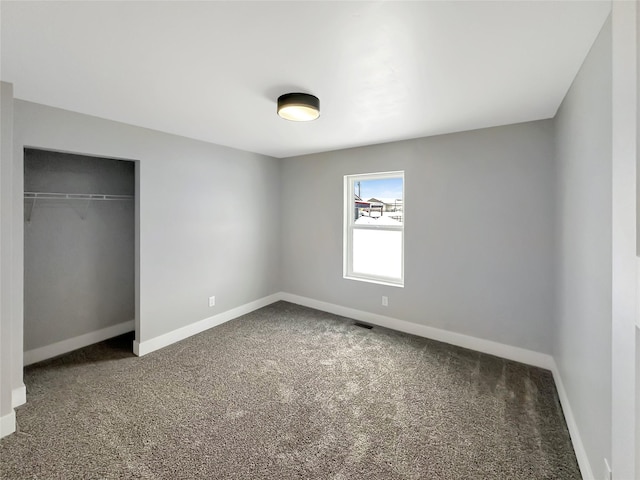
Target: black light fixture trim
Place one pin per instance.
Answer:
(298, 107)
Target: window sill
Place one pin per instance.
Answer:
(387, 283)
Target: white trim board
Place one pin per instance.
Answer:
(18, 396)
(509, 352)
(156, 343)
(7, 424)
(71, 344)
(576, 439)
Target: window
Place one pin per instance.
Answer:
(374, 228)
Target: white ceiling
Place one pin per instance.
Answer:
(383, 70)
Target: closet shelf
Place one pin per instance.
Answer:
(75, 196)
(87, 197)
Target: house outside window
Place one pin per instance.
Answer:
(374, 227)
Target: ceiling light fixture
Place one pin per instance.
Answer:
(298, 107)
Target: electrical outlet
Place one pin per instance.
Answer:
(607, 471)
(385, 301)
(212, 301)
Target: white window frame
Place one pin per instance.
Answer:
(350, 226)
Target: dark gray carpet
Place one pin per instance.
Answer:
(288, 392)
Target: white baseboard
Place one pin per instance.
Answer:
(66, 346)
(18, 396)
(576, 439)
(7, 424)
(509, 352)
(148, 346)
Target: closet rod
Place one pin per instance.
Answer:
(88, 197)
(74, 196)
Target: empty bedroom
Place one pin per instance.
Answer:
(319, 240)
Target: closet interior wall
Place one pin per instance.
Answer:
(79, 253)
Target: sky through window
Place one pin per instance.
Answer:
(385, 188)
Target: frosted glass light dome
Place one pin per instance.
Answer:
(298, 107)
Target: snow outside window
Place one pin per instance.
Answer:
(374, 227)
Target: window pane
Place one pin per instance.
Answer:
(378, 201)
(377, 252)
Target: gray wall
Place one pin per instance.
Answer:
(479, 234)
(6, 354)
(637, 364)
(209, 219)
(78, 272)
(582, 334)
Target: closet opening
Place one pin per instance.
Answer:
(81, 252)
